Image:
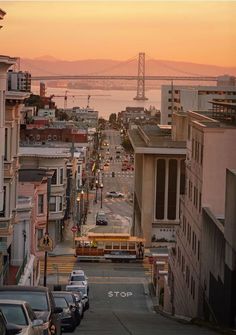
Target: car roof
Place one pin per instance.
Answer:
(13, 302)
(24, 288)
(75, 272)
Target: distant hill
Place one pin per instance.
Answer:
(47, 65)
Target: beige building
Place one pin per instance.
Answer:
(52, 159)
(158, 184)
(210, 151)
(10, 106)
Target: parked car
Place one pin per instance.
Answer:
(20, 313)
(7, 328)
(68, 318)
(41, 301)
(72, 301)
(114, 194)
(101, 219)
(83, 290)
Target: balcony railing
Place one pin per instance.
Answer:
(21, 269)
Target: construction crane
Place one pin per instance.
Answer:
(65, 96)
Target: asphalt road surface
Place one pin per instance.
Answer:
(120, 303)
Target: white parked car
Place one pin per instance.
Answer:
(78, 277)
(20, 313)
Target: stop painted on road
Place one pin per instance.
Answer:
(118, 294)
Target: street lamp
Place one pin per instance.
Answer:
(78, 212)
(96, 197)
(101, 186)
(82, 206)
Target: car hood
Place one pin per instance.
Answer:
(43, 315)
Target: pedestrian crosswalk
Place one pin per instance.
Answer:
(58, 264)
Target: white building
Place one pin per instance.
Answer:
(19, 81)
(176, 98)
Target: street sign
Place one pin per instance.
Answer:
(74, 229)
(46, 243)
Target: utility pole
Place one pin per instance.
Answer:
(49, 179)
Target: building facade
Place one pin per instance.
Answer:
(159, 182)
(175, 98)
(210, 151)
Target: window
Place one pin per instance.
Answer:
(198, 250)
(54, 177)
(192, 287)
(193, 145)
(160, 188)
(182, 176)
(6, 145)
(200, 202)
(3, 212)
(61, 175)
(172, 189)
(187, 276)
(60, 204)
(40, 233)
(40, 203)
(183, 264)
(52, 204)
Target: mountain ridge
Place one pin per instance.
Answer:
(50, 65)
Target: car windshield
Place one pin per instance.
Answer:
(68, 297)
(77, 278)
(14, 314)
(37, 300)
(60, 302)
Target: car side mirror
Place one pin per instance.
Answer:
(13, 329)
(58, 310)
(37, 323)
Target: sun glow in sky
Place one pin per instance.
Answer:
(194, 31)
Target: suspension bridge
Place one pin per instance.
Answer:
(141, 77)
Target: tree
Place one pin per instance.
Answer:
(127, 144)
(34, 100)
(112, 118)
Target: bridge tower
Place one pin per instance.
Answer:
(141, 78)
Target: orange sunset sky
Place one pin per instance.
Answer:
(194, 31)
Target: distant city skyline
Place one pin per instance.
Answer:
(193, 31)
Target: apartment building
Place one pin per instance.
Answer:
(218, 267)
(33, 183)
(51, 158)
(210, 151)
(176, 98)
(11, 103)
(159, 161)
(19, 81)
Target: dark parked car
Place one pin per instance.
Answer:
(20, 313)
(41, 301)
(8, 328)
(68, 318)
(101, 219)
(71, 299)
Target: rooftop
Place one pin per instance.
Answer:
(154, 139)
(46, 152)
